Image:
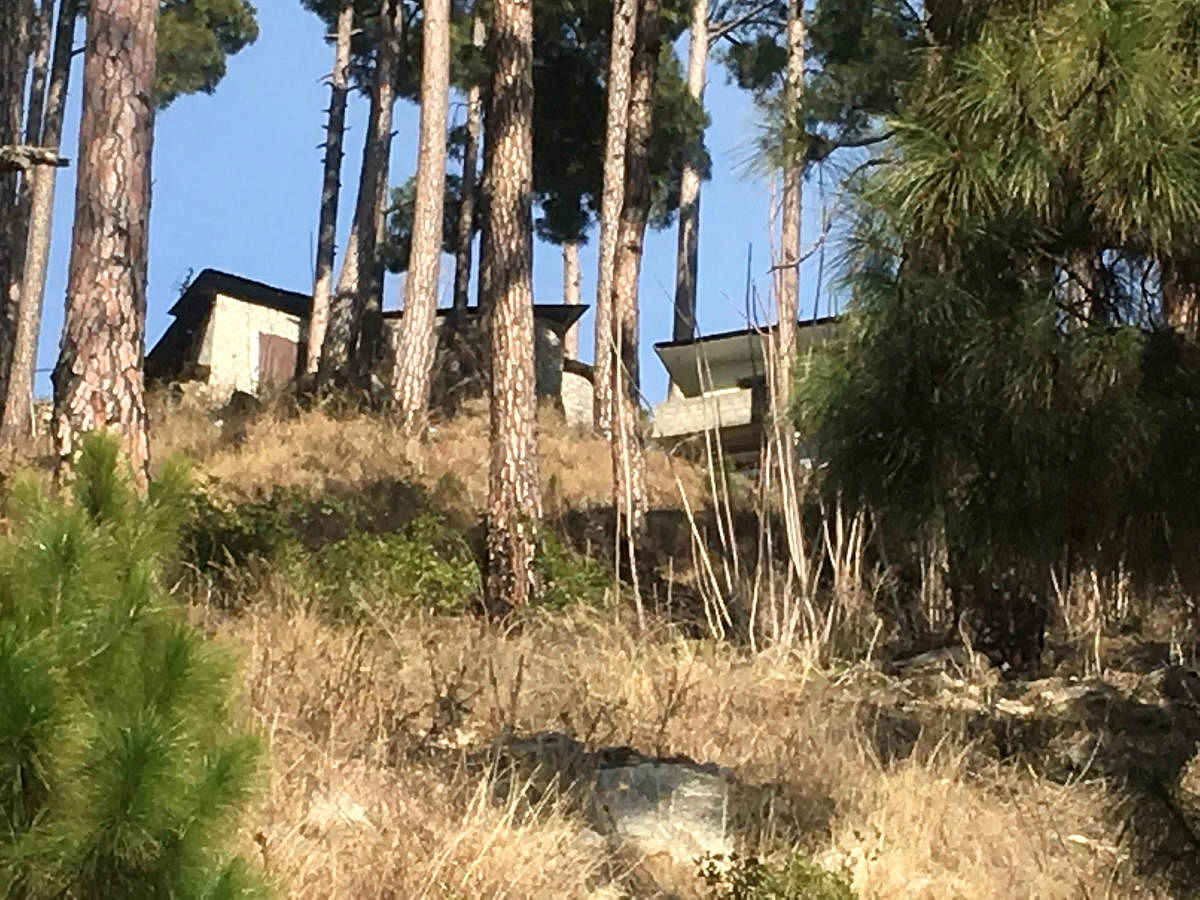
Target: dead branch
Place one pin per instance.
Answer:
(22, 157)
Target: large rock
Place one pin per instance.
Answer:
(674, 808)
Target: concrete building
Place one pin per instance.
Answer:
(720, 386)
(233, 334)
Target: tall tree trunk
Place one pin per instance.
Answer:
(571, 295)
(415, 351)
(620, 65)
(342, 351)
(334, 363)
(687, 251)
(17, 416)
(514, 491)
(41, 42)
(793, 175)
(629, 469)
(14, 65)
(98, 379)
(369, 318)
(335, 132)
(466, 209)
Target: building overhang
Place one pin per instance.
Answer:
(730, 359)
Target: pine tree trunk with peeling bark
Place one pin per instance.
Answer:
(793, 176)
(354, 317)
(413, 368)
(629, 467)
(514, 491)
(335, 132)
(687, 261)
(620, 65)
(46, 111)
(571, 295)
(14, 65)
(466, 208)
(98, 379)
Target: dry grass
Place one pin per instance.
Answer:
(377, 788)
(381, 779)
(314, 449)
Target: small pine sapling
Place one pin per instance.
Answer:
(121, 767)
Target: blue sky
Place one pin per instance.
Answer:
(237, 179)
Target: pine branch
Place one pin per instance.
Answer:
(718, 30)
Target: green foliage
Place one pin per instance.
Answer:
(862, 59)
(1004, 379)
(794, 877)
(567, 578)
(194, 39)
(571, 46)
(221, 537)
(120, 768)
(426, 566)
(397, 553)
(398, 245)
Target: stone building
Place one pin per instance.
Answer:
(719, 384)
(233, 334)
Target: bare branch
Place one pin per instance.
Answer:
(718, 30)
(827, 218)
(22, 157)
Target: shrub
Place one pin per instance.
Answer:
(567, 577)
(120, 769)
(793, 877)
(424, 566)
(396, 550)
(217, 537)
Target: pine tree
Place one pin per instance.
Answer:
(355, 325)
(44, 128)
(788, 288)
(465, 224)
(120, 771)
(414, 360)
(620, 76)
(629, 469)
(335, 132)
(514, 491)
(571, 295)
(687, 261)
(98, 380)
(1006, 382)
(14, 63)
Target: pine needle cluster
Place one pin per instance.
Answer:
(120, 766)
(1009, 378)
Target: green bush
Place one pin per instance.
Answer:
(793, 877)
(567, 577)
(424, 566)
(120, 768)
(217, 537)
(390, 553)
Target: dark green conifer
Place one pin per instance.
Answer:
(121, 768)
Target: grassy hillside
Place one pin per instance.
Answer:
(416, 750)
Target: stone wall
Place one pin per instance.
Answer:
(692, 415)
